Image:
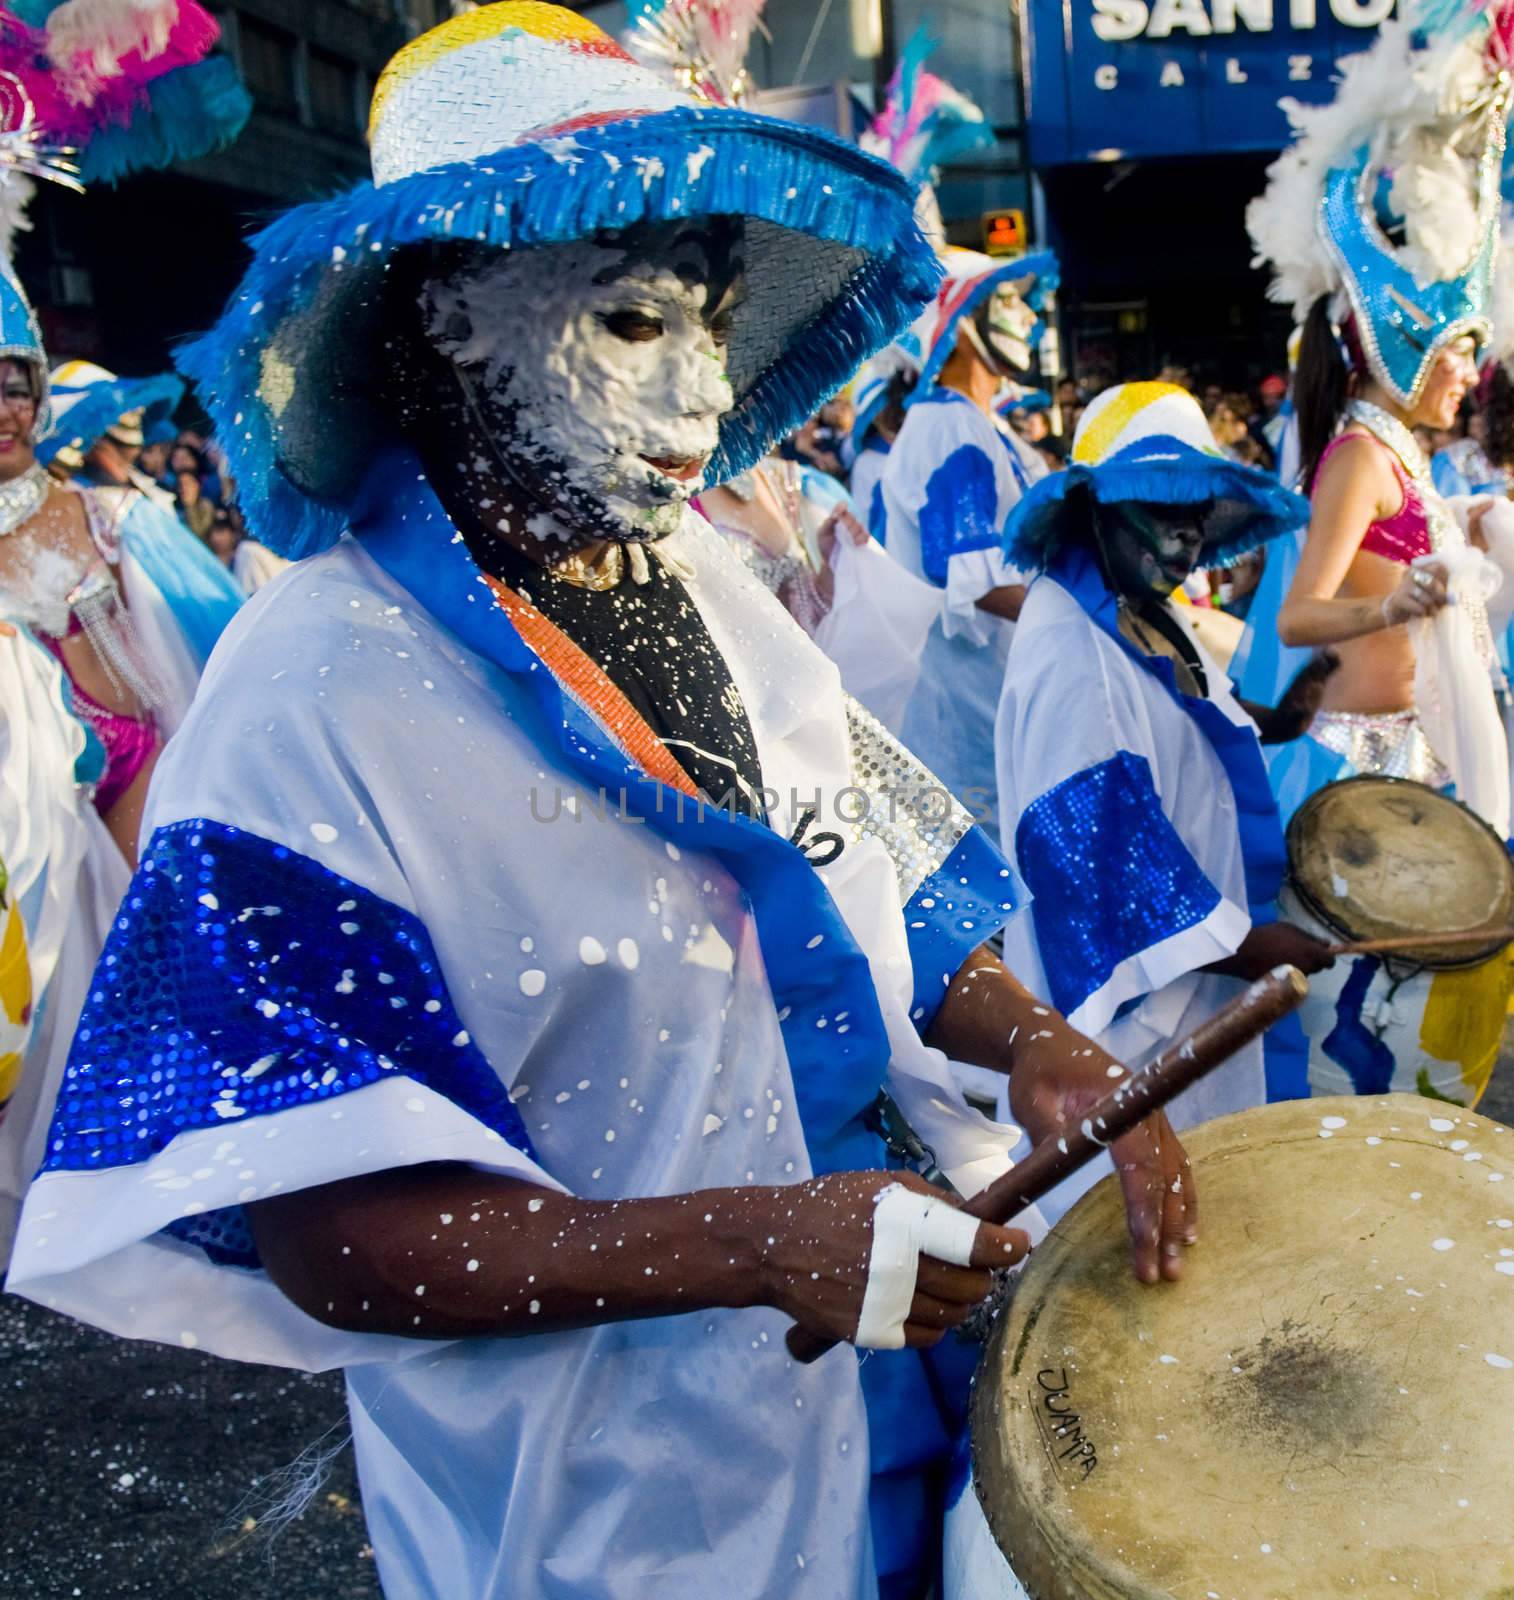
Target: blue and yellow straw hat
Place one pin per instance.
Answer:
(1149, 441)
(89, 401)
(521, 124)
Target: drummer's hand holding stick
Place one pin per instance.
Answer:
(900, 1239)
(1275, 944)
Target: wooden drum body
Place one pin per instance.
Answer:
(1322, 1408)
(1373, 858)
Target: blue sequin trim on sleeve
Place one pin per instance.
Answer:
(241, 979)
(960, 511)
(1108, 875)
(966, 900)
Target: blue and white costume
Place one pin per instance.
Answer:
(1139, 815)
(181, 597)
(953, 477)
(384, 916)
(893, 368)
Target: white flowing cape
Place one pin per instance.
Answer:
(949, 722)
(616, 986)
(66, 876)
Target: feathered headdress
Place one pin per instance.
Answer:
(701, 44)
(92, 90)
(96, 89)
(925, 124)
(1388, 199)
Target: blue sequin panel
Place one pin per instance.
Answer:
(241, 979)
(965, 901)
(1108, 875)
(960, 511)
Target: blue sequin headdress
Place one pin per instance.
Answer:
(1149, 441)
(21, 337)
(1388, 200)
(521, 124)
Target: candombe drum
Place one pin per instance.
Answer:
(1323, 1407)
(1382, 858)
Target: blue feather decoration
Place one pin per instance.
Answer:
(188, 113)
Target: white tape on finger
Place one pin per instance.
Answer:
(907, 1225)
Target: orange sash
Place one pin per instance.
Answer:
(586, 681)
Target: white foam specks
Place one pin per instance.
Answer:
(323, 833)
(591, 952)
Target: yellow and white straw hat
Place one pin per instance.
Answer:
(1150, 442)
(521, 125)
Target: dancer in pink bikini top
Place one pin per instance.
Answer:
(59, 576)
(1366, 569)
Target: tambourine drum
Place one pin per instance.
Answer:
(1382, 858)
(1323, 1407)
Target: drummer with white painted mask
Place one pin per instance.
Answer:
(530, 970)
(1136, 801)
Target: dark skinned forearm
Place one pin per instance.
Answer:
(445, 1251)
(990, 1019)
(1004, 601)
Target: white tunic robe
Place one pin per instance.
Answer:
(951, 481)
(610, 982)
(1123, 821)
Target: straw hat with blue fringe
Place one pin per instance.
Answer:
(970, 279)
(90, 402)
(521, 124)
(1150, 442)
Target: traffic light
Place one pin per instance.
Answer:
(1004, 232)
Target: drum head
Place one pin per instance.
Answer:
(1379, 858)
(1322, 1408)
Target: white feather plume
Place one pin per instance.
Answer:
(1419, 111)
(92, 36)
(1501, 345)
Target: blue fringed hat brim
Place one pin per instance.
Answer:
(1250, 508)
(96, 412)
(835, 268)
(1041, 266)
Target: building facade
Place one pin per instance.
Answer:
(121, 274)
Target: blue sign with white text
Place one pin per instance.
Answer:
(1110, 80)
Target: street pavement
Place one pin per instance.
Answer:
(129, 1466)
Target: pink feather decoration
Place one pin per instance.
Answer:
(89, 90)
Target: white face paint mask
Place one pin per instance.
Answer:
(598, 374)
(1005, 324)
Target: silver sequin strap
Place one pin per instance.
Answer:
(899, 801)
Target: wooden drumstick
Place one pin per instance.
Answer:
(1245, 1018)
(1422, 941)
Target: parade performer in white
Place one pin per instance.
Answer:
(955, 473)
(96, 91)
(508, 1071)
(1142, 819)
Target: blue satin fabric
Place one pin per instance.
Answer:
(199, 591)
(969, 897)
